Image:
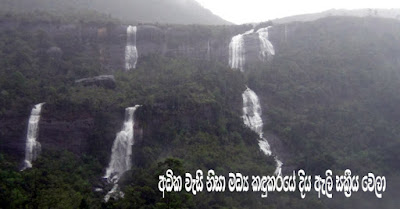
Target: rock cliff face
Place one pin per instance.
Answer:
(252, 48)
(13, 130)
(68, 134)
(79, 131)
(107, 42)
(54, 133)
(107, 81)
(195, 42)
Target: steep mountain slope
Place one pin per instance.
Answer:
(133, 11)
(329, 94)
(336, 71)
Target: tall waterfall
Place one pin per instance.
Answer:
(121, 155)
(252, 118)
(32, 149)
(131, 53)
(267, 49)
(237, 57)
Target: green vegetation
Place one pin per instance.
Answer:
(330, 95)
(191, 111)
(59, 180)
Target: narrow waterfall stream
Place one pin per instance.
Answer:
(32, 148)
(131, 53)
(121, 155)
(252, 119)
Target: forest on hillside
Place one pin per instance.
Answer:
(330, 95)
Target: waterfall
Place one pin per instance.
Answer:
(32, 149)
(252, 111)
(121, 155)
(278, 170)
(251, 104)
(131, 53)
(237, 48)
(267, 50)
(252, 119)
(237, 51)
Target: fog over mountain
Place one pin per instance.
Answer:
(161, 11)
(369, 12)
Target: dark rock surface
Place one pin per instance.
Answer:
(78, 131)
(252, 48)
(106, 81)
(13, 135)
(106, 43)
(69, 135)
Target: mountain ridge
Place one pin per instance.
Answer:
(132, 11)
(393, 13)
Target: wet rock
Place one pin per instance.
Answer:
(106, 81)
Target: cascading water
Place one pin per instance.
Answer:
(121, 155)
(251, 104)
(267, 49)
(32, 149)
(237, 51)
(237, 48)
(131, 53)
(252, 119)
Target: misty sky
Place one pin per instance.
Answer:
(245, 11)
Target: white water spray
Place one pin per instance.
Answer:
(237, 48)
(237, 51)
(131, 53)
(252, 118)
(278, 170)
(252, 111)
(32, 149)
(121, 156)
(267, 49)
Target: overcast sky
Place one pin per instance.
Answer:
(246, 11)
